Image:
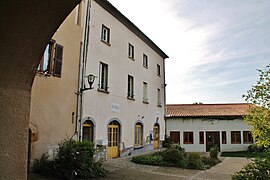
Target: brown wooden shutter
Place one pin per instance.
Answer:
(58, 57)
(50, 65)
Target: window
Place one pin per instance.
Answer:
(103, 77)
(247, 136)
(88, 131)
(45, 64)
(79, 15)
(235, 137)
(175, 136)
(145, 93)
(105, 34)
(201, 137)
(138, 134)
(158, 98)
(224, 138)
(130, 51)
(58, 58)
(145, 61)
(158, 69)
(188, 137)
(130, 94)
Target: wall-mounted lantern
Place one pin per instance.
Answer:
(90, 79)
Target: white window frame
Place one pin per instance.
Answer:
(103, 77)
(159, 98)
(145, 61)
(158, 70)
(130, 93)
(130, 51)
(145, 92)
(105, 34)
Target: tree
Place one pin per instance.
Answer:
(259, 113)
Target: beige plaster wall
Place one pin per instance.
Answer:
(53, 104)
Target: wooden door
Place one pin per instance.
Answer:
(88, 132)
(212, 140)
(156, 137)
(113, 141)
(175, 136)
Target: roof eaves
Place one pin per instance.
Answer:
(118, 15)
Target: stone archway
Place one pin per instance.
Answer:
(26, 27)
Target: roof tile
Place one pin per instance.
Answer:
(204, 110)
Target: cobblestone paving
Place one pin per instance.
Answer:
(123, 168)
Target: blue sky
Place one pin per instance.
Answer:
(214, 46)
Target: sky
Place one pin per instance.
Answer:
(214, 47)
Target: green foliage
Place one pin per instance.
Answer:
(209, 162)
(74, 160)
(214, 152)
(258, 169)
(167, 142)
(155, 160)
(44, 166)
(175, 156)
(195, 161)
(177, 147)
(259, 115)
(255, 148)
(258, 119)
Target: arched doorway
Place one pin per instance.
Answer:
(156, 136)
(138, 134)
(113, 139)
(88, 131)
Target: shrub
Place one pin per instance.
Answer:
(255, 148)
(148, 160)
(214, 152)
(173, 156)
(258, 169)
(195, 161)
(177, 147)
(167, 142)
(209, 162)
(74, 160)
(44, 166)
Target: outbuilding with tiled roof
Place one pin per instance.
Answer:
(198, 127)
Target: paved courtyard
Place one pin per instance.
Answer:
(122, 168)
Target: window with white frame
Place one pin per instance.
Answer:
(145, 61)
(103, 77)
(158, 69)
(45, 64)
(105, 34)
(158, 98)
(130, 94)
(247, 137)
(235, 137)
(145, 93)
(130, 51)
(188, 137)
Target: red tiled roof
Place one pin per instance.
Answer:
(206, 110)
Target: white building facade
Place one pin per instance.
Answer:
(198, 127)
(125, 109)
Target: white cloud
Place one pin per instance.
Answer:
(214, 46)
